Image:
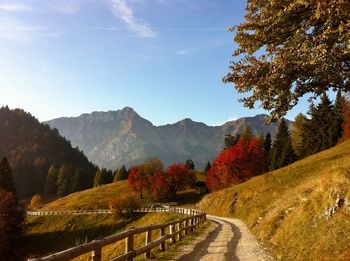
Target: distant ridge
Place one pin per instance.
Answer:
(114, 138)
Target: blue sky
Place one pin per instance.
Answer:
(164, 58)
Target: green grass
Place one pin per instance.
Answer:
(285, 208)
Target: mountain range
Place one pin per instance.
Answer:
(115, 138)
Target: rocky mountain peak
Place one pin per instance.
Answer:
(115, 138)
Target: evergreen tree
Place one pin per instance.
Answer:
(282, 152)
(104, 176)
(190, 164)
(63, 187)
(122, 174)
(267, 143)
(110, 176)
(297, 133)
(323, 130)
(324, 119)
(77, 180)
(98, 178)
(207, 167)
(231, 140)
(6, 179)
(336, 130)
(51, 180)
(247, 133)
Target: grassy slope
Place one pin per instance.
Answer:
(285, 208)
(50, 234)
(55, 233)
(95, 198)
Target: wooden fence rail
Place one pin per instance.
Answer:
(177, 229)
(183, 211)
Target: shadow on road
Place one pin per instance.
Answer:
(219, 244)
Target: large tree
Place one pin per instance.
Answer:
(178, 177)
(288, 48)
(142, 176)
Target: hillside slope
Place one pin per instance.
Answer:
(115, 138)
(32, 147)
(288, 209)
(94, 198)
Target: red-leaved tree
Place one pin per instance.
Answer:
(159, 186)
(137, 181)
(237, 164)
(178, 177)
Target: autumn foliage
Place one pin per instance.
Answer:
(161, 184)
(178, 177)
(123, 206)
(237, 164)
(36, 201)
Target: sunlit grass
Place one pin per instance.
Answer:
(286, 208)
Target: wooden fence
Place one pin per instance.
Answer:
(183, 211)
(177, 229)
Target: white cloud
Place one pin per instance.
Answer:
(125, 13)
(15, 30)
(186, 51)
(14, 7)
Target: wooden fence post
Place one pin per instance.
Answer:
(129, 245)
(172, 233)
(179, 229)
(186, 226)
(148, 240)
(162, 233)
(96, 255)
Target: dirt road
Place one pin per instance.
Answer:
(226, 240)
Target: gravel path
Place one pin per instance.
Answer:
(226, 239)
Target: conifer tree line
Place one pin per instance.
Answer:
(43, 162)
(323, 128)
(327, 123)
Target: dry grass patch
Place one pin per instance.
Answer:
(286, 208)
(95, 198)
